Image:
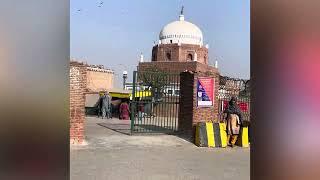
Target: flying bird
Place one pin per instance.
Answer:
(100, 4)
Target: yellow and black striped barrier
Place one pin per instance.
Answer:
(210, 134)
(243, 138)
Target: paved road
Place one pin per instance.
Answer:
(116, 156)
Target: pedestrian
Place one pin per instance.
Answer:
(124, 110)
(109, 110)
(105, 105)
(233, 120)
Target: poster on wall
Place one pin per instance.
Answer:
(205, 92)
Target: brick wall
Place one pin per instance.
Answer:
(205, 114)
(176, 67)
(99, 80)
(189, 113)
(179, 53)
(186, 103)
(77, 102)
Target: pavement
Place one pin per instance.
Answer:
(114, 155)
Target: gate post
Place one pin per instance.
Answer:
(190, 113)
(78, 86)
(133, 104)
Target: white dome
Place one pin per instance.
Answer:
(182, 32)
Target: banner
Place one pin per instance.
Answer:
(205, 92)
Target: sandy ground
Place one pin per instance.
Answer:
(116, 156)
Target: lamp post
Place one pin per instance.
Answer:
(125, 76)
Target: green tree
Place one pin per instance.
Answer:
(154, 80)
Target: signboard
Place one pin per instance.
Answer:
(205, 92)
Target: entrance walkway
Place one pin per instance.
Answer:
(113, 155)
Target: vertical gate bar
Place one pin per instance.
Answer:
(169, 117)
(142, 105)
(164, 111)
(165, 104)
(173, 105)
(153, 105)
(170, 101)
(144, 110)
(139, 119)
(151, 89)
(137, 125)
(158, 111)
(161, 107)
(176, 101)
(133, 101)
(173, 100)
(163, 79)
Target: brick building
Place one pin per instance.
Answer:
(180, 49)
(99, 78)
(84, 79)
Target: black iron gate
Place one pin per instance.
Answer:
(155, 102)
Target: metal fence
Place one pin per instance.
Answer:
(234, 87)
(155, 102)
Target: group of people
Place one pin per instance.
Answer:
(105, 107)
(233, 120)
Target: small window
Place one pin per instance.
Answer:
(171, 41)
(189, 57)
(170, 91)
(168, 55)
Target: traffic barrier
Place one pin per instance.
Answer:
(210, 134)
(243, 138)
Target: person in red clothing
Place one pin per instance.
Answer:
(124, 110)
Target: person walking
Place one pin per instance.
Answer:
(234, 120)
